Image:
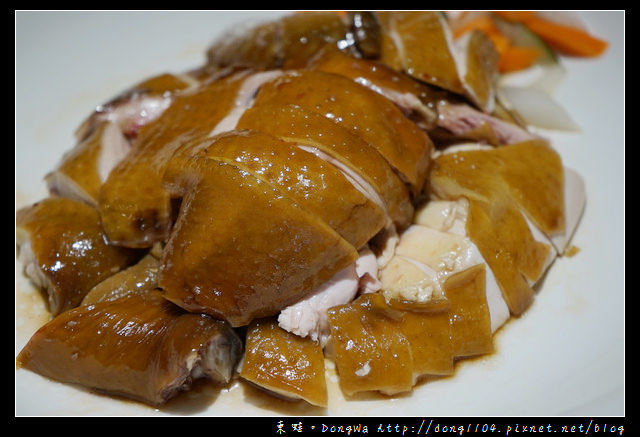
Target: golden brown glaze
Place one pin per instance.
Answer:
(312, 183)
(418, 43)
(295, 124)
(481, 70)
(500, 184)
(427, 327)
(134, 207)
(80, 167)
(140, 346)
(163, 86)
(366, 113)
(371, 352)
(290, 40)
(240, 249)
(284, 363)
(469, 313)
(139, 278)
(68, 249)
(394, 84)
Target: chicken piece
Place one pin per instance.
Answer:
(443, 218)
(428, 329)
(278, 43)
(445, 116)
(459, 122)
(84, 168)
(421, 44)
(284, 363)
(371, 351)
(471, 332)
(139, 278)
(407, 279)
(138, 105)
(366, 113)
(365, 31)
(417, 100)
(312, 183)
(501, 186)
(62, 249)
(530, 172)
(575, 201)
(356, 158)
(308, 317)
(134, 208)
(240, 249)
(478, 69)
(139, 346)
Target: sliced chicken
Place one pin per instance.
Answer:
(62, 249)
(307, 180)
(308, 317)
(240, 249)
(502, 200)
(477, 61)
(459, 122)
(445, 116)
(84, 168)
(421, 44)
(416, 99)
(284, 364)
(139, 278)
(370, 350)
(337, 144)
(366, 113)
(138, 105)
(134, 208)
(288, 41)
(139, 346)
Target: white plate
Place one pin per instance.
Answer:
(565, 356)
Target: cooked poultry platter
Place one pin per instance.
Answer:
(344, 187)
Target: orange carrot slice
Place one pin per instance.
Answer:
(567, 40)
(518, 58)
(483, 23)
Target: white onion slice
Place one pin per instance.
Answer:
(537, 108)
(546, 77)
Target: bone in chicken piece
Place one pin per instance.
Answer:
(134, 208)
(366, 113)
(63, 251)
(309, 181)
(140, 346)
(240, 249)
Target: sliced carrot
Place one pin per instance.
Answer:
(520, 16)
(483, 23)
(518, 58)
(567, 40)
(499, 40)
